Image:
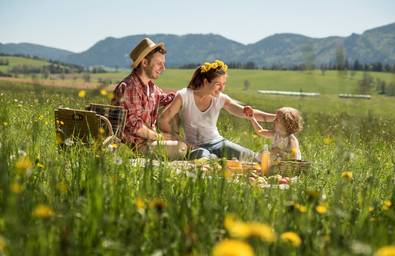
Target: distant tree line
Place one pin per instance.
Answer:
(355, 66)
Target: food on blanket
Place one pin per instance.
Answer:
(257, 180)
(284, 180)
(201, 161)
(234, 165)
(274, 179)
(251, 166)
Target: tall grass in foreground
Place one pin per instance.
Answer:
(84, 200)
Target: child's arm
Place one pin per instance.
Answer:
(259, 130)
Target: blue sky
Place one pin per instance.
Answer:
(78, 24)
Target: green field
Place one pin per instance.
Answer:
(15, 61)
(88, 201)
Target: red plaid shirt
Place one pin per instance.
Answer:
(142, 103)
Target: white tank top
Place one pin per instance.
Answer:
(200, 127)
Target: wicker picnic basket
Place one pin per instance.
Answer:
(290, 168)
(115, 114)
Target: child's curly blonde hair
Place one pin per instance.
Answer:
(290, 118)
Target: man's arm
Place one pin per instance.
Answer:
(166, 97)
(135, 122)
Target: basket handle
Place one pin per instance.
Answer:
(108, 124)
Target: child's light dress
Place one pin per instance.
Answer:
(283, 143)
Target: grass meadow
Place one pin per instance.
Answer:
(85, 200)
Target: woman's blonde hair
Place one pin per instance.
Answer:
(290, 118)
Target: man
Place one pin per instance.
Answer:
(138, 94)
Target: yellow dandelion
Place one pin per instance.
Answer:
(62, 187)
(313, 194)
(347, 175)
(214, 65)
(59, 139)
(241, 229)
(232, 248)
(43, 211)
(300, 208)
(40, 117)
(40, 165)
(263, 231)
(103, 92)
(139, 202)
(387, 204)
(24, 163)
(386, 251)
(294, 152)
(158, 204)
(102, 131)
(3, 244)
(16, 188)
(292, 238)
(371, 209)
(229, 220)
(327, 140)
(219, 62)
(110, 95)
(82, 93)
(322, 208)
(236, 228)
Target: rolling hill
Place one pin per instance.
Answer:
(374, 45)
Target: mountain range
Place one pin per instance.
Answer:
(374, 45)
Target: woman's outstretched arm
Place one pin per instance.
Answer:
(264, 116)
(234, 108)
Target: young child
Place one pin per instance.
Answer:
(285, 145)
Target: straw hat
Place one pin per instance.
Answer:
(142, 50)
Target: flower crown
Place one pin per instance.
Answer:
(215, 65)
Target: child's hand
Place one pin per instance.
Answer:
(248, 111)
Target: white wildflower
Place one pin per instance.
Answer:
(68, 142)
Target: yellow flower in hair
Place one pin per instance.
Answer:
(215, 65)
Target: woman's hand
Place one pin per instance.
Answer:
(248, 112)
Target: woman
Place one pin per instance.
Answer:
(199, 105)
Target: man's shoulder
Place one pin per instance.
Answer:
(129, 80)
